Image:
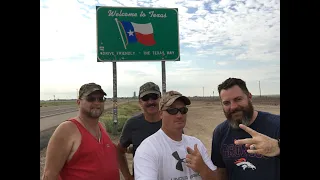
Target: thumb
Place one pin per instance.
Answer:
(189, 150)
(196, 148)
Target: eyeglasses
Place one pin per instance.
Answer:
(150, 96)
(174, 111)
(92, 99)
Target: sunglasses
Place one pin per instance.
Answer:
(174, 111)
(150, 96)
(92, 99)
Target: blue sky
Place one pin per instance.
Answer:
(218, 40)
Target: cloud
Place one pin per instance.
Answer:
(218, 39)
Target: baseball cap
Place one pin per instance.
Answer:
(169, 97)
(89, 88)
(148, 88)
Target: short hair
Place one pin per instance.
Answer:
(230, 82)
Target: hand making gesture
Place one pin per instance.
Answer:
(194, 159)
(259, 143)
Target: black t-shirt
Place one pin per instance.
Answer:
(241, 165)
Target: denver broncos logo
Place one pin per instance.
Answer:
(242, 162)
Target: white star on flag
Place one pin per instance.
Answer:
(130, 33)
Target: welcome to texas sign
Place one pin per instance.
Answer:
(137, 34)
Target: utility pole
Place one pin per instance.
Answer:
(259, 89)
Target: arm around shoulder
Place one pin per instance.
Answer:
(58, 149)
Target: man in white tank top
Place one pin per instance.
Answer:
(163, 155)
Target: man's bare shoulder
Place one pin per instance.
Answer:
(66, 129)
(61, 146)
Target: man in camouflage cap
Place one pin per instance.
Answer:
(75, 148)
(141, 126)
(89, 88)
(149, 88)
(91, 92)
(165, 154)
(170, 97)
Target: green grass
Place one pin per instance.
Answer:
(125, 111)
(57, 103)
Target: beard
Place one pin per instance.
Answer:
(241, 115)
(94, 112)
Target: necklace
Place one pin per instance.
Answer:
(97, 135)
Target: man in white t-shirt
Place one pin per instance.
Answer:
(163, 155)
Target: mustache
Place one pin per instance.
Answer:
(96, 107)
(239, 109)
(151, 104)
(236, 110)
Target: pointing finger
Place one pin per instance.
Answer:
(248, 130)
(244, 141)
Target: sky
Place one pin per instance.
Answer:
(218, 40)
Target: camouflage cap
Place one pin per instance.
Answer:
(148, 88)
(169, 97)
(89, 88)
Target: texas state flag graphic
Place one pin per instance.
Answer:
(142, 33)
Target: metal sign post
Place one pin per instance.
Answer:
(115, 106)
(163, 67)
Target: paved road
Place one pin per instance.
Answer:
(48, 108)
(51, 111)
(49, 120)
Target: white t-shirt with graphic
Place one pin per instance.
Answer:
(160, 158)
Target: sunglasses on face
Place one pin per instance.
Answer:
(150, 96)
(174, 111)
(92, 99)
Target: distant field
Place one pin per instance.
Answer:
(73, 102)
(269, 99)
(125, 111)
(266, 100)
(57, 103)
